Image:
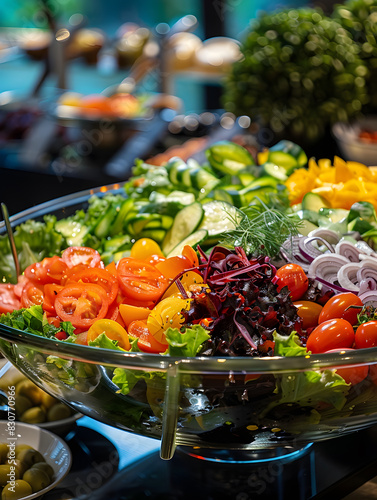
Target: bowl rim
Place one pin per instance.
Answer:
(51, 436)
(158, 362)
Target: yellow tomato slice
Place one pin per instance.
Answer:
(133, 313)
(166, 314)
(112, 330)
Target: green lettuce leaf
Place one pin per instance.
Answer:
(104, 342)
(288, 346)
(32, 320)
(126, 379)
(188, 343)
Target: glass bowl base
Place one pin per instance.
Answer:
(284, 454)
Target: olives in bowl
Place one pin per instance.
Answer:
(32, 405)
(32, 460)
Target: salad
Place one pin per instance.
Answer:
(187, 266)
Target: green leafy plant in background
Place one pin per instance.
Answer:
(300, 72)
(359, 17)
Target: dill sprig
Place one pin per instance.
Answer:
(261, 230)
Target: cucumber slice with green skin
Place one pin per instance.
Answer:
(117, 244)
(334, 214)
(229, 195)
(312, 216)
(313, 201)
(157, 234)
(228, 157)
(172, 166)
(272, 170)
(360, 225)
(123, 211)
(306, 227)
(103, 227)
(287, 154)
(248, 195)
(262, 181)
(219, 217)
(185, 223)
(136, 224)
(73, 231)
(245, 178)
(194, 239)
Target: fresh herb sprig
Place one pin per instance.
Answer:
(262, 230)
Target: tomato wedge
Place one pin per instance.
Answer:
(8, 299)
(112, 330)
(81, 304)
(50, 292)
(140, 280)
(49, 270)
(146, 342)
(97, 276)
(32, 295)
(74, 256)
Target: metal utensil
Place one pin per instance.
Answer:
(11, 238)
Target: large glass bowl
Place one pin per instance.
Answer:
(209, 406)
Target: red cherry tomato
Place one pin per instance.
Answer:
(32, 295)
(97, 276)
(334, 333)
(353, 374)
(339, 307)
(8, 299)
(373, 373)
(308, 312)
(140, 280)
(366, 335)
(146, 342)
(50, 292)
(293, 276)
(74, 256)
(49, 270)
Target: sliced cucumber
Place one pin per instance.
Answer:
(103, 227)
(136, 224)
(185, 223)
(334, 214)
(157, 234)
(195, 238)
(360, 225)
(73, 231)
(118, 224)
(245, 177)
(219, 216)
(287, 154)
(314, 201)
(306, 227)
(230, 194)
(275, 171)
(228, 157)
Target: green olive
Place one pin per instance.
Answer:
(38, 479)
(3, 452)
(21, 447)
(58, 412)
(5, 473)
(22, 404)
(20, 489)
(48, 401)
(29, 457)
(45, 467)
(20, 466)
(30, 390)
(35, 415)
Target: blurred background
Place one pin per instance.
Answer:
(190, 72)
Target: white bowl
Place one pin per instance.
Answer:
(54, 450)
(351, 146)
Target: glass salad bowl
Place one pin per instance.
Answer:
(231, 408)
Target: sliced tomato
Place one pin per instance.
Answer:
(131, 313)
(53, 320)
(112, 330)
(140, 280)
(146, 342)
(191, 255)
(8, 299)
(81, 304)
(82, 338)
(173, 266)
(50, 292)
(21, 282)
(32, 295)
(49, 270)
(73, 256)
(97, 276)
(113, 313)
(112, 269)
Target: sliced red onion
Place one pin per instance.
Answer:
(367, 273)
(333, 286)
(290, 252)
(347, 276)
(326, 266)
(309, 251)
(330, 236)
(348, 249)
(367, 285)
(369, 298)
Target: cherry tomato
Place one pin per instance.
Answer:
(99, 277)
(49, 270)
(61, 335)
(308, 312)
(173, 266)
(146, 342)
(373, 373)
(292, 276)
(334, 333)
(366, 335)
(8, 299)
(112, 330)
(81, 304)
(167, 313)
(73, 256)
(113, 313)
(339, 307)
(50, 292)
(352, 374)
(32, 295)
(191, 255)
(145, 248)
(140, 280)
